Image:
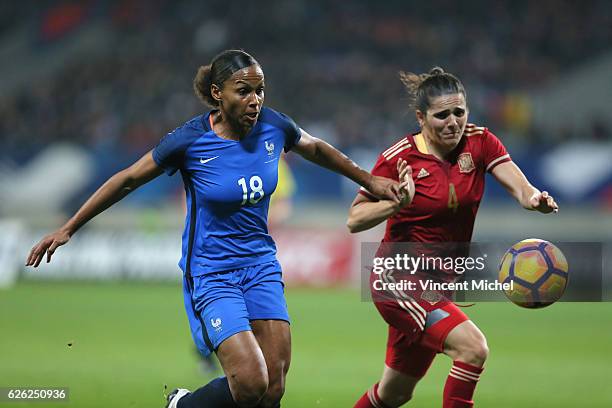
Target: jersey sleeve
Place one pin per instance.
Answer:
(169, 153)
(384, 168)
(291, 131)
(494, 151)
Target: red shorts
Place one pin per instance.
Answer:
(417, 331)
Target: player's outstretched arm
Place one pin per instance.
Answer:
(113, 190)
(512, 178)
(366, 213)
(325, 155)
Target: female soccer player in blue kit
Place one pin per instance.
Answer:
(233, 290)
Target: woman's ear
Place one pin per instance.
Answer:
(420, 118)
(215, 92)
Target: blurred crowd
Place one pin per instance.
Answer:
(332, 65)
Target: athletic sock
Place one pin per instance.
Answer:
(371, 399)
(460, 385)
(214, 394)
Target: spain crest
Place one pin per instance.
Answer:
(466, 164)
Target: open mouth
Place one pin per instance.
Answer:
(252, 115)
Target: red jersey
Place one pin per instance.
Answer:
(447, 193)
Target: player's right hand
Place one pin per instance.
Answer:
(47, 245)
(543, 202)
(406, 186)
(384, 188)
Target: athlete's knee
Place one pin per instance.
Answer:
(396, 393)
(397, 399)
(276, 386)
(467, 344)
(250, 389)
(474, 353)
(273, 396)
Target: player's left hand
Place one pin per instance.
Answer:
(384, 188)
(543, 202)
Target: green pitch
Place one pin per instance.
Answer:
(116, 345)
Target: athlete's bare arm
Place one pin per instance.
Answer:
(512, 178)
(325, 155)
(113, 190)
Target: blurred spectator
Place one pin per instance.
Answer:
(325, 62)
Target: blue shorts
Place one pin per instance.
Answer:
(221, 304)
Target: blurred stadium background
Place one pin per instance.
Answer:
(87, 87)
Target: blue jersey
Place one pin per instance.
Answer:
(228, 184)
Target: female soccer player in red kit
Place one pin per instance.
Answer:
(442, 172)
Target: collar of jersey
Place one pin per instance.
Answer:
(421, 145)
(419, 141)
(207, 124)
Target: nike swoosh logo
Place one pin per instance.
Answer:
(204, 161)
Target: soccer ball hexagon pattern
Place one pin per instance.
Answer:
(538, 270)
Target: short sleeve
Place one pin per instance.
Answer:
(384, 168)
(293, 133)
(290, 129)
(170, 151)
(494, 151)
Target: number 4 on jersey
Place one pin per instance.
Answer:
(257, 192)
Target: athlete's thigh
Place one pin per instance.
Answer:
(265, 300)
(242, 360)
(441, 322)
(274, 338)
